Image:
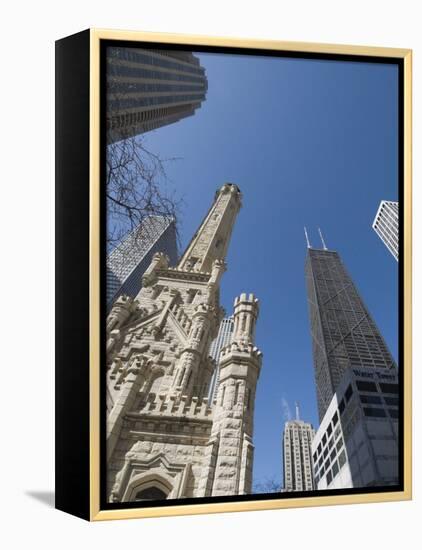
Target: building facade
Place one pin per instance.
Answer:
(164, 439)
(297, 455)
(386, 226)
(148, 88)
(344, 335)
(128, 261)
(356, 444)
(224, 337)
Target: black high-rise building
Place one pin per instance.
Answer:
(344, 335)
(148, 88)
(128, 261)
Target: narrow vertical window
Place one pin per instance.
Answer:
(223, 391)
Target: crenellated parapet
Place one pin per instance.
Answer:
(180, 406)
(240, 347)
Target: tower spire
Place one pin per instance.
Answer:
(211, 241)
(307, 238)
(322, 239)
(297, 410)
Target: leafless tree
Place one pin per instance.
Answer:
(136, 182)
(267, 485)
(136, 187)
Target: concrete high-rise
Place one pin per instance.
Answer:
(224, 337)
(150, 88)
(297, 455)
(357, 442)
(344, 335)
(164, 439)
(386, 226)
(128, 261)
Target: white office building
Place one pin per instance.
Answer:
(297, 455)
(386, 226)
(356, 444)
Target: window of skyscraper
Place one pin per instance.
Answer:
(373, 399)
(366, 386)
(391, 401)
(389, 388)
(377, 413)
(335, 469)
(349, 393)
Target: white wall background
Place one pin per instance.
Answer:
(27, 201)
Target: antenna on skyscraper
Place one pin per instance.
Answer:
(307, 238)
(322, 239)
(297, 410)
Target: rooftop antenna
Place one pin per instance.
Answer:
(297, 410)
(307, 238)
(322, 239)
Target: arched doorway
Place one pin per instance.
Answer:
(150, 493)
(152, 485)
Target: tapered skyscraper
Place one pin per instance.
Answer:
(344, 335)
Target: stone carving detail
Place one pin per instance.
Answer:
(161, 430)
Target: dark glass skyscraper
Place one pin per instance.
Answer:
(344, 335)
(148, 88)
(128, 261)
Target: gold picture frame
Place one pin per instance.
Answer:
(92, 469)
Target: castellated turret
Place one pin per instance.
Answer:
(240, 365)
(164, 439)
(246, 310)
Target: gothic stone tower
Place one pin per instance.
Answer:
(164, 439)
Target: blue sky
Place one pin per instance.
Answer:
(309, 143)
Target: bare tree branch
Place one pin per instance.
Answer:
(136, 182)
(268, 485)
(136, 187)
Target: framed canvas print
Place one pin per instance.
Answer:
(233, 274)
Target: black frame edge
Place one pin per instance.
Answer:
(72, 471)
